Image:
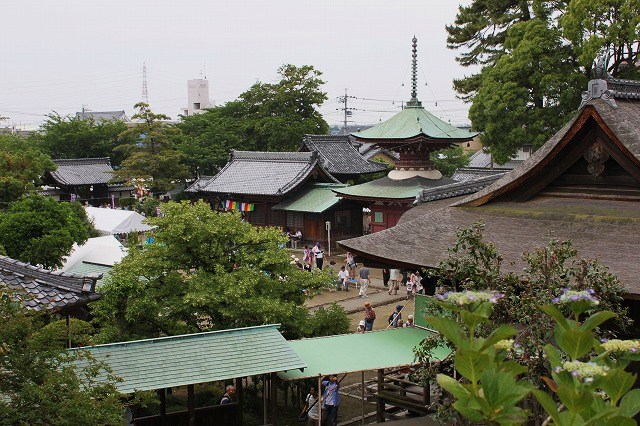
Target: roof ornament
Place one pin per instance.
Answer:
(414, 102)
(598, 87)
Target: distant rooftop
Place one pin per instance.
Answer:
(339, 155)
(103, 116)
(82, 171)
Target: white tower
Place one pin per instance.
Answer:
(197, 96)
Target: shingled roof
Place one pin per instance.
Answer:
(41, 289)
(386, 188)
(82, 171)
(456, 189)
(339, 156)
(262, 173)
(103, 115)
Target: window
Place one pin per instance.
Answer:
(378, 217)
(342, 219)
(294, 220)
(196, 105)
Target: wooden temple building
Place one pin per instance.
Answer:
(86, 180)
(413, 133)
(583, 185)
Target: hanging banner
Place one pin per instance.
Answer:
(243, 207)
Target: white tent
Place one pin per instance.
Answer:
(104, 251)
(111, 221)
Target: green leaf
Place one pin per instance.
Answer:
(452, 386)
(554, 355)
(616, 383)
(469, 409)
(554, 313)
(500, 333)
(596, 418)
(620, 421)
(513, 368)
(471, 320)
(596, 319)
(574, 400)
(450, 329)
(501, 390)
(470, 364)
(630, 403)
(548, 404)
(575, 343)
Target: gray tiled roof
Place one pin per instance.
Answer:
(370, 149)
(103, 115)
(82, 171)
(481, 159)
(339, 156)
(260, 173)
(41, 289)
(463, 174)
(456, 189)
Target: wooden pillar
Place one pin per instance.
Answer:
(68, 331)
(380, 402)
(426, 394)
(362, 384)
(240, 406)
(162, 393)
(191, 412)
(319, 404)
(273, 380)
(264, 399)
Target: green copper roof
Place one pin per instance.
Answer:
(313, 199)
(392, 189)
(196, 358)
(348, 353)
(412, 122)
(86, 268)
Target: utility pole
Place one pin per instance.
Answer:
(348, 112)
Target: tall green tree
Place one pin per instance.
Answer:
(154, 157)
(72, 137)
(267, 117)
(38, 382)
(22, 166)
(448, 160)
(41, 231)
(205, 271)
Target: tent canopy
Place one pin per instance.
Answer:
(104, 251)
(111, 221)
(349, 353)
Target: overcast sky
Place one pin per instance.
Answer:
(61, 55)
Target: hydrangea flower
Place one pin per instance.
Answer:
(469, 297)
(585, 371)
(570, 296)
(506, 344)
(616, 345)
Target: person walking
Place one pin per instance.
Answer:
(331, 398)
(343, 279)
(307, 258)
(418, 283)
(310, 410)
(386, 276)
(394, 275)
(351, 264)
(395, 316)
(364, 281)
(318, 253)
(409, 289)
(369, 316)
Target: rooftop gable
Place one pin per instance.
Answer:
(82, 171)
(339, 156)
(262, 173)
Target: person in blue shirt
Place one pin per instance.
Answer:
(331, 399)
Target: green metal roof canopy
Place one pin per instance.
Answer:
(196, 358)
(314, 199)
(414, 121)
(348, 353)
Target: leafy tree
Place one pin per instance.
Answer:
(475, 265)
(529, 92)
(38, 382)
(21, 167)
(41, 231)
(71, 137)
(448, 160)
(154, 158)
(205, 271)
(267, 117)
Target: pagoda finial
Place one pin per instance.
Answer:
(414, 102)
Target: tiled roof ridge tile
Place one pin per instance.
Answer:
(82, 161)
(455, 189)
(303, 157)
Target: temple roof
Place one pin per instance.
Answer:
(456, 189)
(103, 115)
(262, 173)
(414, 122)
(82, 171)
(481, 165)
(42, 289)
(339, 156)
(316, 198)
(385, 188)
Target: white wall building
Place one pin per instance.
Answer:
(197, 96)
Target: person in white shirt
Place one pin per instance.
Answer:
(343, 279)
(311, 407)
(319, 255)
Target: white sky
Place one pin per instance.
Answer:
(60, 55)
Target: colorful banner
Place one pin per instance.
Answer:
(243, 207)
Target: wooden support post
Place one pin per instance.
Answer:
(264, 399)
(273, 380)
(379, 401)
(191, 411)
(240, 397)
(320, 401)
(426, 394)
(68, 331)
(162, 393)
(362, 384)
